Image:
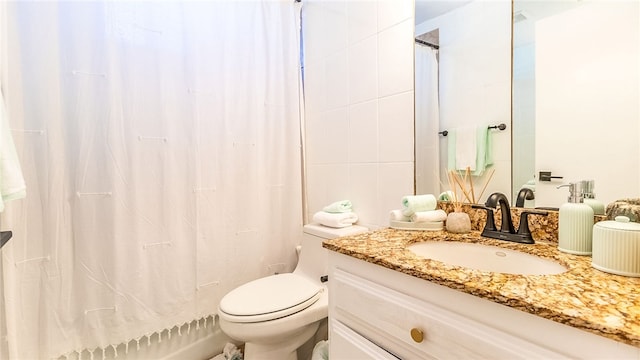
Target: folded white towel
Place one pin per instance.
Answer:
(429, 216)
(337, 220)
(414, 203)
(339, 207)
(397, 215)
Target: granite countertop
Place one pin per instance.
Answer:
(583, 297)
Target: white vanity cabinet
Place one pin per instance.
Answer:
(378, 313)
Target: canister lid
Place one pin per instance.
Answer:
(620, 223)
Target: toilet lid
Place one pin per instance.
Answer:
(269, 298)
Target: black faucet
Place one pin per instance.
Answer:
(524, 194)
(507, 231)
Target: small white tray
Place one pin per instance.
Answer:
(423, 226)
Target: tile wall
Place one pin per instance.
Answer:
(359, 98)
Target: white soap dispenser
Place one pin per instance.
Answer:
(575, 223)
(590, 198)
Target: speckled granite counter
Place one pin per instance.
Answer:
(582, 297)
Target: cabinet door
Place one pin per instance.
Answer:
(347, 344)
(389, 318)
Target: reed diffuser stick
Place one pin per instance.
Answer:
(473, 194)
(487, 183)
(461, 183)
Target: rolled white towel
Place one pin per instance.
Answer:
(337, 220)
(415, 203)
(397, 215)
(429, 216)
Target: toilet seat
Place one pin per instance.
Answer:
(269, 298)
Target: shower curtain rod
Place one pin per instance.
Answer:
(427, 44)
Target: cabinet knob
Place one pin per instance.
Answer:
(417, 335)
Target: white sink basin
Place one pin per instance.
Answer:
(486, 258)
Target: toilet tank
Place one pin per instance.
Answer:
(312, 261)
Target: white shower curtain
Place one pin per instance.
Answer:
(160, 143)
(427, 120)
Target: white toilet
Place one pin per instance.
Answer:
(276, 314)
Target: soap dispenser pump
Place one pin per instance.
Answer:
(575, 222)
(590, 198)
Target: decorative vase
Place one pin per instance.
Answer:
(458, 222)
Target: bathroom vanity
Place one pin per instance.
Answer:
(386, 302)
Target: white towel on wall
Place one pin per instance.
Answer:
(466, 148)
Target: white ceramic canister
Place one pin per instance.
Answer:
(616, 247)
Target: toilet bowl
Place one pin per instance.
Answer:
(277, 314)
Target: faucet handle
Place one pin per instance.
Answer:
(523, 227)
(491, 223)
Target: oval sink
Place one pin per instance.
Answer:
(486, 258)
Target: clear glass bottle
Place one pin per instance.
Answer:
(575, 223)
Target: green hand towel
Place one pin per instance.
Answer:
(338, 207)
(484, 153)
(414, 203)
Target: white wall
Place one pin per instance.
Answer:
(524, 110)
(475, 79)
(359, 105)
(587, 93)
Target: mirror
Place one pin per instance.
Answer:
(576, 100)
(462, 87)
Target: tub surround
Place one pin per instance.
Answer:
(583, 297)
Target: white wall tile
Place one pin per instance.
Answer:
(344, 141)
(392, 12)
(395, 181)
(329, 136)
(314, 41)
(395, 124)
(363, 132)
(395, 58)
(325, 185)
(363, 70)
(335, 26)
(363, 192)
(362, 19)
(315, 86)
(313, 136)
(336, 79)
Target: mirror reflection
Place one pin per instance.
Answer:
(575, 98)
(462, 89)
